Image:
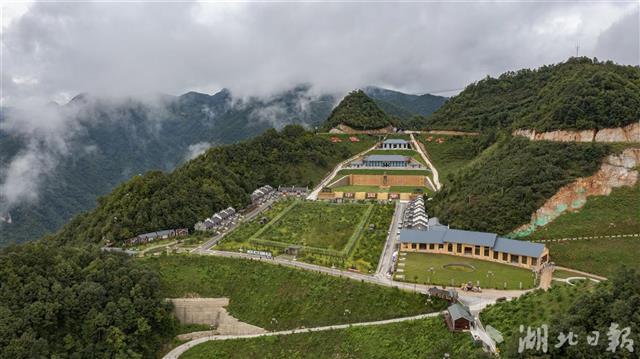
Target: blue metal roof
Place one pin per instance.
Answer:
(522, 248)
(396, 141)
(386, 158)
(470, 237)
(414, 236)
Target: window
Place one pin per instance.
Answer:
(544, 259)
(458, 247)
(467, 251)
(450, 247)
(440, 246)
(413, 246)
(486, 252)
(534, 261)
(423, 246)
(505, 257)
(514, 259)
(431, 246)
(495, 255)
(524, 260)
(477, 251)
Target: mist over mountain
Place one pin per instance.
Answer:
(52, 171)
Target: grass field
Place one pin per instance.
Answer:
(426, 338)
(532, 309)
(368, 249)
(395, 189)
(597, 256)
(417, 265)
(316, 224)
(617, 213)
(239, 237)
(276, 297)
(450, 155)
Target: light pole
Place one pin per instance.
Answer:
(490, 276)
(433, 272)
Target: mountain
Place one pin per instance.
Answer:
(402, 105)
(358, 111)
(577, 94)
(223, 176)
(109, 141)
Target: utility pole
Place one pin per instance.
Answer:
(578, 49)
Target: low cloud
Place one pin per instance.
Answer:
(196, 150)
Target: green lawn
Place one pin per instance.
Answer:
(417, 265)
(450, 155)
(316, 224)
(239, 237)
(617, 213)
(597, 256)
(426, 338)
(368, 249)
(398, 189)
(276, 297)
(532, 309)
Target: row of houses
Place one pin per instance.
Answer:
(218, 219)
(158, 235)
(261, 193)
(415, 216)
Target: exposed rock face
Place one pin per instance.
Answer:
(615, 171)
(629, 133)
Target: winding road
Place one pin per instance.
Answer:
(436, 178)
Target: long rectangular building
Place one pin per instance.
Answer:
(478, 245)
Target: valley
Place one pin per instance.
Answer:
(371, 242)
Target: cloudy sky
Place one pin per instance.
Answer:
(53, 51)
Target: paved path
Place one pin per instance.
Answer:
(176, 352)
(314, 194)
(436, 178)
(385, 264)
(587, 274)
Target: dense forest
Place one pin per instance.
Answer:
(581, 309)
(578, 94)
(112, 140)
(404, 106)
(359, 111)
(223, 176)
(500, 189)
(64, 302)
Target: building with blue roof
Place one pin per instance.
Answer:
(395, 144)
(478, 245)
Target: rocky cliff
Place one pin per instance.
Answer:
(616, 171)
(629, 133)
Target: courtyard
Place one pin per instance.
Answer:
(442, 269)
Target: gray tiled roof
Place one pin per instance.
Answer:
(395, 141)
(522, 248)
(458, 311)
(394, 158)
(414, 236)
(470, 237)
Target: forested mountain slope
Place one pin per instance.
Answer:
(404, 106)
(358, 111)
(578, 94)
(223, 176)
(114, 140)
(500, 188)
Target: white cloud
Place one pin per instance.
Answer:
(262, 48)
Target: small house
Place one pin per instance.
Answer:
(458, 317)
